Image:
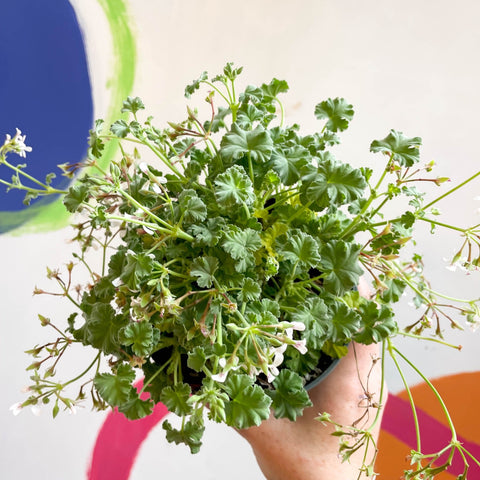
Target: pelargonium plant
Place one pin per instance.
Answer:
(230, 262)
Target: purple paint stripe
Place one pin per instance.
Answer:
(398, 421)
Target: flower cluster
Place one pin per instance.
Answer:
(16, 144)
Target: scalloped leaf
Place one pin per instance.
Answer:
(289, 397)
(249, 404)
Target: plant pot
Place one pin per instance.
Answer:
(328, 366)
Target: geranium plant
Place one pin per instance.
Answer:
(230, 262)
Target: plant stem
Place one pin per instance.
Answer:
(84, 372)
(172, 230)
(392, 350)
(452, 190)
(373, 196)
(440, 224)
(435, 391)
(430, 339)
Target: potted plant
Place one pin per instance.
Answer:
(230, 260)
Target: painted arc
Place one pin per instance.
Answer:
(461, 393)
(45, 92)
(119, 440)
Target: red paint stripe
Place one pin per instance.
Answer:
(398, 421)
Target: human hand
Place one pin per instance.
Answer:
(305, 449)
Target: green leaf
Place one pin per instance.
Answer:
(377, 323)
(249, 405)
(251, 94)
(76, 195)
(275, 87)
(342, 324)
(301, 248)
(218, 120)
(137, 267)
(140, 335)
(250, 290)
(133, 105)
(136, 408)
(204, 268)
(310, 314)
(120, 128)
(196, 359)
(95, 143)
(176, 399)
(233, 187)
(337, 111)
(340, 266)
(116, 388)
(289, 397)
(195, 85)
(289, 163)
(248, 114)
(333, 183)
(241, 243)
(238, 142)
(394, 290)
(102, 329)
(230, 72)
(192, 207)
(190, 434)
(215, 399)
(403, 150)
(209, 232)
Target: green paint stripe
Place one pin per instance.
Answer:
(54, 216)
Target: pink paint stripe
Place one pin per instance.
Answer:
(118, 443)
(398, 421)
(119, 439)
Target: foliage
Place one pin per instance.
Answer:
(230, 267)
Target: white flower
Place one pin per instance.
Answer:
(301, 346)
(72, 410)
(300, 326)
(272, 373)
(36, 410)
(17, 144)
(462, 264)
(143, 167)
(16, 408)
(220, 377)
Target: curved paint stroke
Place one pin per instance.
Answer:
(45, 92)
(51, 216)
(398, 421)
(119, 439)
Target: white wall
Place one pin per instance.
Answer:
(412, 66)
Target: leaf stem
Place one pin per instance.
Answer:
(435, 392)
(392, 351)
(452, 190)
(97, 357)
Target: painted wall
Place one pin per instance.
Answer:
(412, 67)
